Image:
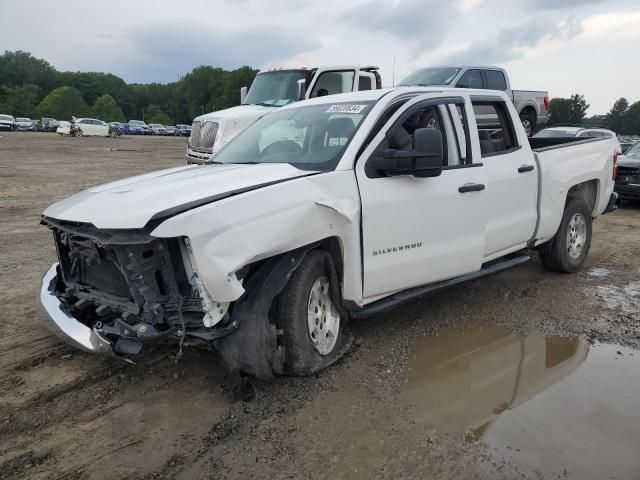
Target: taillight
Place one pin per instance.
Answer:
(615, 164)
(546, 103)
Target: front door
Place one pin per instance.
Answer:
(421, 230)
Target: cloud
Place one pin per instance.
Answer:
(164, 52)
(560, 4)
(422, 22)
(510, 43)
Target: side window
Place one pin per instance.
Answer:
(470, 79)
(365, 83)
(495, 80)
(400, 136)
(495, 129)
(330, 83)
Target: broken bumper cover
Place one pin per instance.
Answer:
(53, 313)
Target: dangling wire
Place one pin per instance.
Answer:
(182, 333)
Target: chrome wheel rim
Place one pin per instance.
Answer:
(527, 126)
(576, 235)
(323, 318)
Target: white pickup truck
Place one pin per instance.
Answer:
(271, 89)
(532, 106)
(268, 250)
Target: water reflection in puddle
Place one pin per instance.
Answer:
(549, 405)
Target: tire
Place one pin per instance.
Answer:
(570, 246)
(528, 120)
(78, 132)
(313, 287)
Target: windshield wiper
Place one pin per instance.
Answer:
(263, 104)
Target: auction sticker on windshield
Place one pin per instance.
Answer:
(346, 108)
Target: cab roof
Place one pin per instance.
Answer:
(375, 95)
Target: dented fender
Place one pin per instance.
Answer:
(233, 232)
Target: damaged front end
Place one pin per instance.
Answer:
(113, 291)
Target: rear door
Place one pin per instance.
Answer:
(421, 230)
(512, 179)
(333, 80)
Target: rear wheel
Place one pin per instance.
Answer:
(528, 120)
(570, 246)
(314, 324)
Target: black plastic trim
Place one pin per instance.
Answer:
(462, 165)
(397, 299)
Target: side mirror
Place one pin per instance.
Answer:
(425, 160)
(243, 95)
(301, 89)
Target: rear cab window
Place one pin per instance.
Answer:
(495, 80)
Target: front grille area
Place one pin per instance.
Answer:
(203, 135)
(104, 278)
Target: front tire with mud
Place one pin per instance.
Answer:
(570, 246)
(310, 314)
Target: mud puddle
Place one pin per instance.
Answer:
(544, 406)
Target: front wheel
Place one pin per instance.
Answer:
(528, 120)
(570, 245)
(313, 322)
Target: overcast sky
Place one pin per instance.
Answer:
(564, 46)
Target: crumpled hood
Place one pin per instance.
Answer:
(132, 202)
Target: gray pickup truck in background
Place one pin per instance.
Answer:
(532, 106)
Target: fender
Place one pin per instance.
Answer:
(234, 232)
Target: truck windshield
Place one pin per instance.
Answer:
(275, 89)
(309, 138)
(431, 76)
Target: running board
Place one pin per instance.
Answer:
(397, 299)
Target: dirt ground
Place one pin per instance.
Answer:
(66, 414)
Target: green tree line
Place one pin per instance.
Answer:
(31, 87)
(623, 118)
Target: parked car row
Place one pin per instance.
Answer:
(90, 127)
(25, 124)
(138, 127)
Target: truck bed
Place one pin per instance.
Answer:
(566, 161)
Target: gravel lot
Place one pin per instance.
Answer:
(66, 414)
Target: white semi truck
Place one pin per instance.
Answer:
(271, 89)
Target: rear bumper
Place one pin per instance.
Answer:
(54, 315)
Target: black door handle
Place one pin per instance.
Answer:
(471, 187)
(525, 168)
